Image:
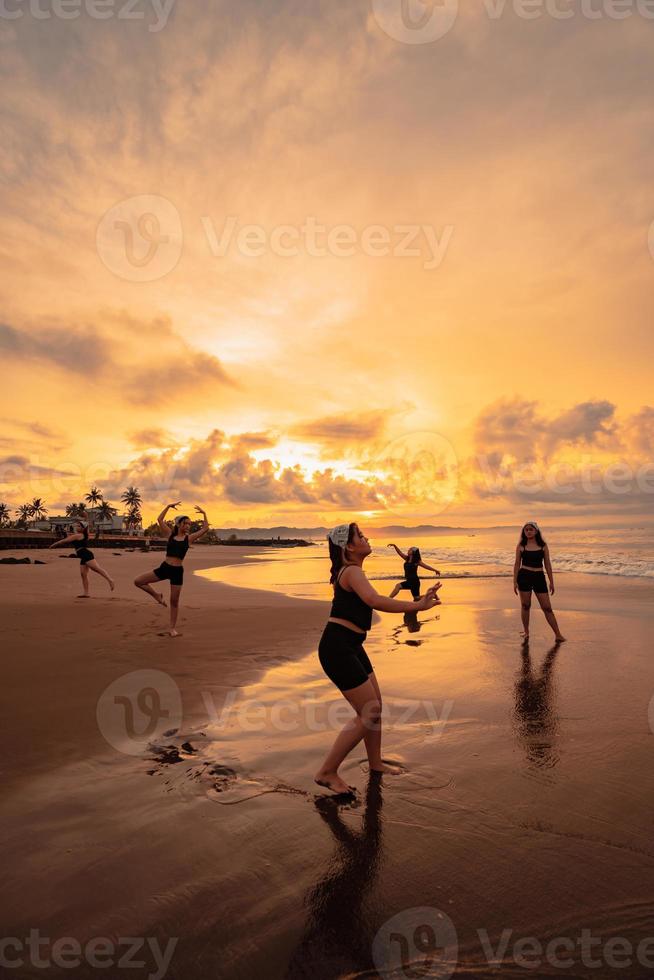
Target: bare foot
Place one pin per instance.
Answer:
(112, 584)
(560, 639)
(383, 767)
(332, 781)
(160, 599)
(173, 632)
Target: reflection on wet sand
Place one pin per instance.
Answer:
(341, 920)
(535, 721)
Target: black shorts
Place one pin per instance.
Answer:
(85, 555)
(413, 584)
(343, 658)
(173, 572)
(528, 581)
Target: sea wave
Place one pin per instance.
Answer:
(627, 566)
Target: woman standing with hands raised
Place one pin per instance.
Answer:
(172, 568)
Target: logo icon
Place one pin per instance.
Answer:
(421, 474)
(415, 21)
(140, 239)
(418, 942)
(137, 708)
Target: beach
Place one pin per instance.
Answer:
(521, 817)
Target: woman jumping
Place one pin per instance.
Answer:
(80, 542)
(342, 655)
(412, 560)
(528, 576)
(179, 541)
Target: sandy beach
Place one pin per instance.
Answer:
(523, 812)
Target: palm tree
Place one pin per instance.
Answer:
(72, 510)
(24, 513)
(39, 510)
(131, 497)
(105, 511)
(93, 497)
(4, 515)
(134, 517)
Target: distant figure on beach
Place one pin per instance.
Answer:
(80, 542)
(172, 568)
(343, 657)
(412, 562)
(528, 575)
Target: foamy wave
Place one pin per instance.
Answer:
(626, 566)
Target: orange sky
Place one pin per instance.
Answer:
(291, 372)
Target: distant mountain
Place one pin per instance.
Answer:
(320, 533)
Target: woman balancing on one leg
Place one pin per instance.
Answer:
(80, 541)
(179, 540)
(412, 561)
(528, 576)
(343, 657)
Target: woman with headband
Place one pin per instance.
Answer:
(80, 542)
(343, 657)
(172, 568)
(530, 554)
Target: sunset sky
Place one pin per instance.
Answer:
(501, 371)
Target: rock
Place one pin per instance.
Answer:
(37, 562)
(15, 561)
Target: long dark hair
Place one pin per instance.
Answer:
(416, 556)
(540, 540)
(336, 554)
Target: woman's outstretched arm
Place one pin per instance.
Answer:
(161, 520)
(67, 540)
(203, 529)
(400, 553)
(429, 568)
(359, 583)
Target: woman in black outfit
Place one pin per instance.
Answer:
(412, 561)
(172, 568)
(528, 575)
(80, 542)
(342, 654)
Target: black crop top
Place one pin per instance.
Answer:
(532, 559)
(410, 569)
(177, 549)
(348, 605)
(84, 543)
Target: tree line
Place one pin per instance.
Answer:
(36, 510)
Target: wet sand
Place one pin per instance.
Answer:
(523, 811)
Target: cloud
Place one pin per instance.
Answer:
(72, 349)
(155, 438)
(111, 351)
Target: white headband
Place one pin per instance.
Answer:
(533, 524)
(339, 535)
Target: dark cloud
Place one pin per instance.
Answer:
(73, 349)
(186, 371)
(151, 438)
